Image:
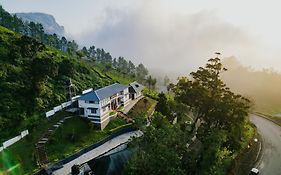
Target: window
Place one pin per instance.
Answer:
(93, 102)
(93, 110)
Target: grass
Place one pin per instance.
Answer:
(22, 153)
(144, 107)
(75, 134)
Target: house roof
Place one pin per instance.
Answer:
(136, 87)
(104, 92)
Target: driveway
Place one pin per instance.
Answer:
(270, 162)
(66, 169)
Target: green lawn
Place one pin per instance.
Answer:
(22, 153)
(75, 134)
(144, 107)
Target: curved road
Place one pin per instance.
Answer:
(270, 162)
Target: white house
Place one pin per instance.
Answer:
(97, 105)
(135, 90)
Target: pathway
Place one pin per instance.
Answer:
(40, 145)
(109, 145)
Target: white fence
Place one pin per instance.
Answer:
(14, 140)
(61, 106)
(64, 105)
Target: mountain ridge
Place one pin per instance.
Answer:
(48, 22)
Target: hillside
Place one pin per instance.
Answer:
(33, 80)
(35, 67)
(48, 22)
(263, 87)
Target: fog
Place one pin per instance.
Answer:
(262, 87)
(173, 43)
(170, 37)
(176, 37)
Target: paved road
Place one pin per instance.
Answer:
(98, 151)
(270, 163)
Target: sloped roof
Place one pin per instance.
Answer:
(137, 87)
(104, 92)
(90, 96)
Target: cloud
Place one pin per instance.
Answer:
(169, 41)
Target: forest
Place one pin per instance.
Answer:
(35, 67)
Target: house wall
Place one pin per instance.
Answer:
(85, 104)
(138, 94)
(101, 117)
(126, 97)
(105, 106)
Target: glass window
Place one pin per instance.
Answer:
(93, 110)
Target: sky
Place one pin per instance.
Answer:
(170, 36)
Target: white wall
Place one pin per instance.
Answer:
(87, 112)
(58, 108)
(14, 140)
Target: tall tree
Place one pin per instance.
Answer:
(166, 80)
(208, 95)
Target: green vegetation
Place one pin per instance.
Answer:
(224, 133)
(77, 133)
(70, 137)
(150, 93)
(23, 153)
(161, 150)
(40, 72)
(34, 70)
(112, 113)
(144, 107)
(246, 160)
(73, 135)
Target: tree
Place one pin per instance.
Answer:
(162, 105)
(72, 47)
(209, 97)
(151, 82)
(160, 150)
(170, 87)
(166, 80)
(63, 44)
(141, 73)
(132, 68)
(85, 51)
(92, 52)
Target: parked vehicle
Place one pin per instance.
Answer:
(254, 171)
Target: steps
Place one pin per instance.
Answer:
(41, 144)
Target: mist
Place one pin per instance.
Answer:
(174, 43)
